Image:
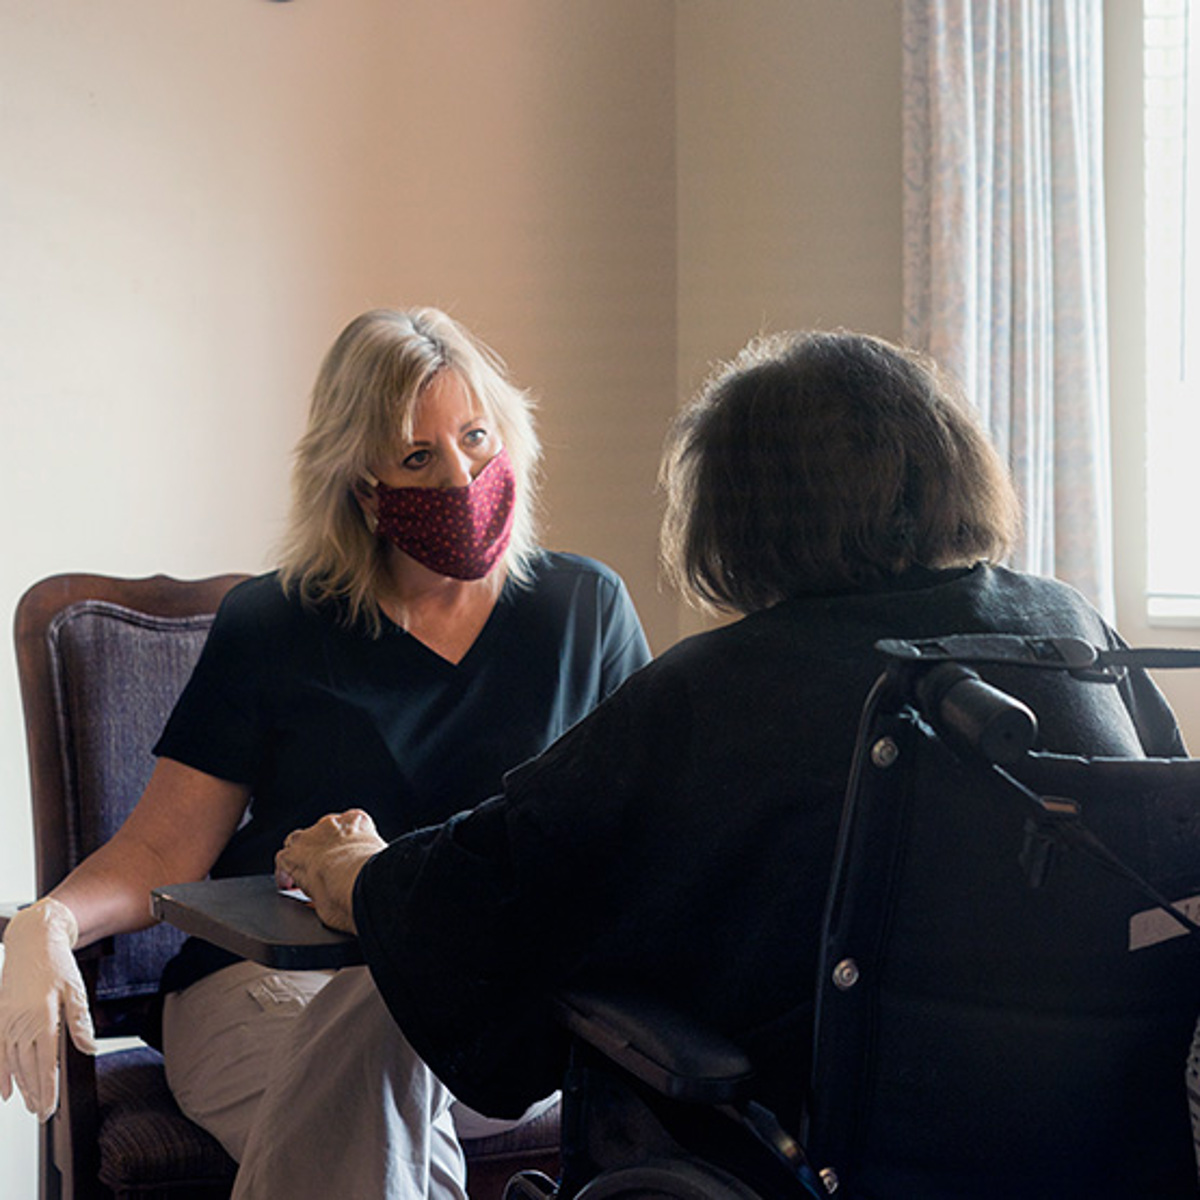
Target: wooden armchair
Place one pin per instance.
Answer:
(101, 661)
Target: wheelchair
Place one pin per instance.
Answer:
(1008, 984)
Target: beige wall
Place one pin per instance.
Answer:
(789, 151)
(789, 171)
(197, 197)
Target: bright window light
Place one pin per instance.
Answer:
(1172, 146)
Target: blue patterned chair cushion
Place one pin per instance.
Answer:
(116, 676)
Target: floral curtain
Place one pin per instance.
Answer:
(1004, 265)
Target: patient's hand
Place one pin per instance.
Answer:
(325, 860)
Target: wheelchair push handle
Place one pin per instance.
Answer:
(987, 720)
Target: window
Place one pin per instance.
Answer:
(1172, 155)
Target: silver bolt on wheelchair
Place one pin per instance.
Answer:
(1007, 986)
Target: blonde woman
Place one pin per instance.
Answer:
(413, 646)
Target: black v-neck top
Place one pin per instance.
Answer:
(317, 717)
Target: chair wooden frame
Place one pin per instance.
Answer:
(157, 595)
(69, 1158)
(68, 1150)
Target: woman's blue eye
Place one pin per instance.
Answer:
(416, 460)
(475, 437)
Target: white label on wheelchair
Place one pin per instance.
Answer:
(1156, 925)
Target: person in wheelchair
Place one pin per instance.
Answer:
(830, 490)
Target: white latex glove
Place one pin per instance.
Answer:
(39, 983)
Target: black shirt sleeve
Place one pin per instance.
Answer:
(624, 648)
(218, 724)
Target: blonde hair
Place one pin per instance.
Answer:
(820, 462)
(364, 399)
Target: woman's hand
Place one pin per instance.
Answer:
(325, 860)
(174, 834)
(39, 986)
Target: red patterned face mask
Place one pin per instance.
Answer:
(459, 531)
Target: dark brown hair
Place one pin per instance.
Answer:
(820, 462)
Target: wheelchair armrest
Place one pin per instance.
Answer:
(247, 916)
(658, 1045)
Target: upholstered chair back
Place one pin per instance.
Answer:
(116, 673)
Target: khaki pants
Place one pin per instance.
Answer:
(308, 1083)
